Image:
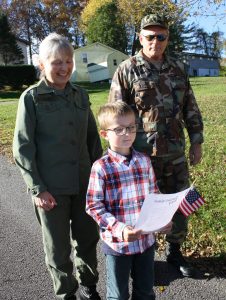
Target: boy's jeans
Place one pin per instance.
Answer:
(141, 267)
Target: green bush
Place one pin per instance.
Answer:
(16, 76)
(223, 71)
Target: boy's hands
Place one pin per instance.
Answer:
(167, 228)
(129, 234)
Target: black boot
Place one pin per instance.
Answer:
(88, 292)
(175, 257)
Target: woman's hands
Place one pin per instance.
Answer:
(45, 200)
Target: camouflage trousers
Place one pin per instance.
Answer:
(172, 176)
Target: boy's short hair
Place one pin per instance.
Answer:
(111, 110)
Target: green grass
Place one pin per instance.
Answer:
(7, 123)
(207, 227)
(98, 94)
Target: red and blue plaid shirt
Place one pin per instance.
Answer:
(116, 192)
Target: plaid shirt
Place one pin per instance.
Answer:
(116, 191)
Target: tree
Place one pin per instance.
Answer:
(206, 8)
(106, 27)
(33, 20)
(209, 44)
(90, 10)
(21, 19)
(217, 43)
(180, 35)
(133, 11)
(9, 50)
(130, 14)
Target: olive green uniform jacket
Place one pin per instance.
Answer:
(56, 139)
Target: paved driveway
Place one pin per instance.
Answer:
(23, 273)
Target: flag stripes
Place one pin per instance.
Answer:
(191, 202)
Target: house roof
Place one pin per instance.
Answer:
(200, 55)
(98, 43)
(22, 41)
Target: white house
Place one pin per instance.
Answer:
(24, 47)
(96, 62)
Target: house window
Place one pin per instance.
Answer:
(84, 58)
(114, 62)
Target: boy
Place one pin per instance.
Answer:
(118, 184)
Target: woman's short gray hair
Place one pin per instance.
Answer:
(53, 44)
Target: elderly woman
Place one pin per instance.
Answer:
(55, 143)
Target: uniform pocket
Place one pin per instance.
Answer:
(145, 94)
(178, 87)
(49, 106)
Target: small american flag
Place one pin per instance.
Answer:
(191, 202)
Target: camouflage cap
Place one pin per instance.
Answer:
(153, 20)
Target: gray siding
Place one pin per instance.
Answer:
(202, 65)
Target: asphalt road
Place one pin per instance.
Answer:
(23, 274)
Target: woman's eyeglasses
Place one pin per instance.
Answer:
(124, 130)
(159, 37)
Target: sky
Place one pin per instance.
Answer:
(210, 18)
(206, 19)
(209, 24)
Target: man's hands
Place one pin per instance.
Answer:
(45, 200)
(195, 154)
(130, 234)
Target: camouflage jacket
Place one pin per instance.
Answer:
(163, 101)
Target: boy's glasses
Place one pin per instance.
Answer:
(159, 37)
(124, 130)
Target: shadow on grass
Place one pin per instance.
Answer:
(10, 94)
(94, 87)
(206, 269)
(90, 87)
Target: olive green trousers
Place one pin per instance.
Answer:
(64, 228)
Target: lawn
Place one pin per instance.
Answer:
(207, 227)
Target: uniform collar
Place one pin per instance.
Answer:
(140, 60)
(44, 88)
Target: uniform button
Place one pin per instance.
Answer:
(73, 142)
(74, 162)
(71, 123)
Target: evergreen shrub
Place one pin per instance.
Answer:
(16, 76)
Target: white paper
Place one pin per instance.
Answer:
(158, 210)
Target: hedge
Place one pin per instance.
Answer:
(16, 76)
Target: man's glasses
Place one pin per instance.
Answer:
(124, 130)
(159, 37)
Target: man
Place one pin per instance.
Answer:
(158, 89)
